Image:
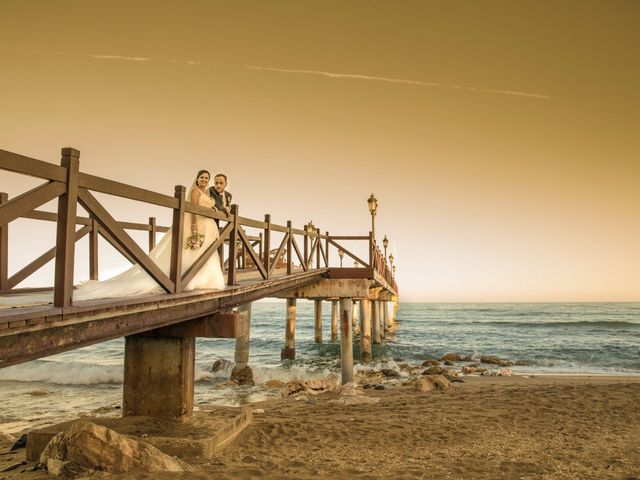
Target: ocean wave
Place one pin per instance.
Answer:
(544, 324)
(64, 373)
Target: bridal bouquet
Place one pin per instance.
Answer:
(194, 241)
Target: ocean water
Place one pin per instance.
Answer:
(550, 338)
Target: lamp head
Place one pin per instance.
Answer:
(373, 204)
(391, 259)
(385, 242)
(340, 253)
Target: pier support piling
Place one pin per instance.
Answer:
(365, 330)
(318, 320)
(241, 372)
(381, 321)
(158, 376)
(346, 339)
(354, 316)
(375, 321)
(335, 313)
(289, 350)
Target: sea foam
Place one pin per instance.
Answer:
(65, 373)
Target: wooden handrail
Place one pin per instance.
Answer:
(14, 162)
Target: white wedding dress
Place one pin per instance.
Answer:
(135, 281)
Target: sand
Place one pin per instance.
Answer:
(512, 428)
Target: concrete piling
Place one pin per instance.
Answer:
(158, 376)
(335, 313)
(289, 350)
(375, 321)
(346, 339)
(365, 330)
(318, 320)
(241, 372)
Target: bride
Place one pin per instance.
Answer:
(200, 233)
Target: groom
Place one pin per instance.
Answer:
(219, 194)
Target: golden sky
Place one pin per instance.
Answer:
(500, 138)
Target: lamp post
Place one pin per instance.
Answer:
(310, 227)
(341, 255)
(373, 206)
(385, 244)
(394, 271)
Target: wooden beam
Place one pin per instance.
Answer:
(218, 325)
(303, 264)
(30, 166)
(103, 185)
(252, 253)
(278, 253)
(42, 260)
(22, 204)
(93, 251)
(267, 244)
(202, 259)
(233, 245)
(107, 222)
(66, 227)
(355, 257)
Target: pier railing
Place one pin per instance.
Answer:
(278, 246)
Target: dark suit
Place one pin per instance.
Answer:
(218, 198)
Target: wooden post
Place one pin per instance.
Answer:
(318, 320)
(177, 240)
(241, 372)
(233, 245)
(375, 321)
(260, 245)
(305, 247)
(65, 234)
(289, 350)
(289, 248)
(346, 339)
(93, 251)
(385, 315)
(267, 243)
(326, 249)
(318, 249)
(4, 249)
(365, 330)
(335, 313)
(383, 330)
(152, 233)
(371, 253)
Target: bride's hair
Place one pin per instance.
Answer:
(201, 172)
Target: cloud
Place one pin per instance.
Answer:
(136, 59)
(397, 80)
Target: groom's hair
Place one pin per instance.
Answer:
(222, 175)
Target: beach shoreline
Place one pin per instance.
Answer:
(546, 426)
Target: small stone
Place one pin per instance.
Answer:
(451, 357)
(39, 393)
(468, 370)
(435, 371)
(430, 362)
(466, 358)
(258, 410)
(380, 387)
(220, 365)
(448, 363)
(390, 373)
(505, 372)
(273, 384)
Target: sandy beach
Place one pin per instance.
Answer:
(546, 427)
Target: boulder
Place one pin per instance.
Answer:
(494, 360)
(292, 388)
(221, 365)
(430, 362)
(448, 363)
(94, 447)
(390, 373)
(451, 357)
(423, 385)
(438, 381)
(242, 376)
(505, 373)
(466, 358)
(468, 369)
(309, 387)
(435, 371)
(368, 376)
(521, 363)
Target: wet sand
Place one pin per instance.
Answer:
(585, 427)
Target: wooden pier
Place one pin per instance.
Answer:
(160, 329)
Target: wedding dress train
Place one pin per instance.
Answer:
(135, 281)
